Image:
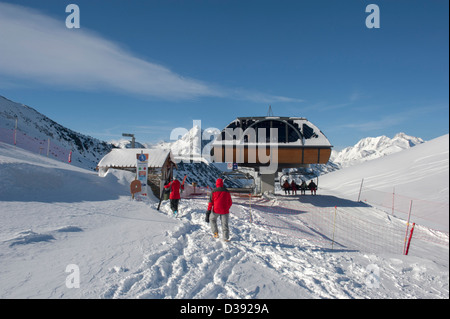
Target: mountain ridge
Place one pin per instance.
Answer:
(374, 147)
(35, 127)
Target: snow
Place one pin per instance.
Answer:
(370, 148)
(317, 137)
(126, 157)
(420, 173)
(55, 215)
(35, 130)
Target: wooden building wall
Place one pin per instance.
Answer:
(285, 155)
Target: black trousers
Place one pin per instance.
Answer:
(174, 204)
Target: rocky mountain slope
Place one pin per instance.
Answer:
(36, 132)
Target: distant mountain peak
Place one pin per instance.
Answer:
(374, 147)
(191, 144)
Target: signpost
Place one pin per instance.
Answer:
(142, 171)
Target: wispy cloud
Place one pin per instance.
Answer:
(259, 97)
(41, 49)
(37, 47)
(356, 96)
(385, 122)
(391, 120)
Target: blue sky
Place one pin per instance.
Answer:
(147, 67)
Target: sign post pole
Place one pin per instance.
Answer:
(142, 171)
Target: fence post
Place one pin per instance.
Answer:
(407, 227)
(48, 147)
(360, 189)
(409, 240)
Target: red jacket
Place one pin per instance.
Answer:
(220, 199)
(175, 186)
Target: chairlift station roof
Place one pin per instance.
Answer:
(298, 141)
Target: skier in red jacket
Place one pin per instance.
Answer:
(220, 203)
(174, 186)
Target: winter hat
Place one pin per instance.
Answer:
(219, 182)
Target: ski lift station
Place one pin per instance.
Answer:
(269, 144)
(161, 164)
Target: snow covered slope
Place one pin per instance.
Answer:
(366, 149)
(35, 128)
(56, 217)
(370, 148)
(420, 173)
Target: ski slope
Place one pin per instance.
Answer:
(420, 173)
(55, 215)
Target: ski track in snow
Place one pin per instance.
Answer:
(192, 265)
(179, 270)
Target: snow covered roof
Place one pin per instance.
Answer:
(292, 131)
(126, 157)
